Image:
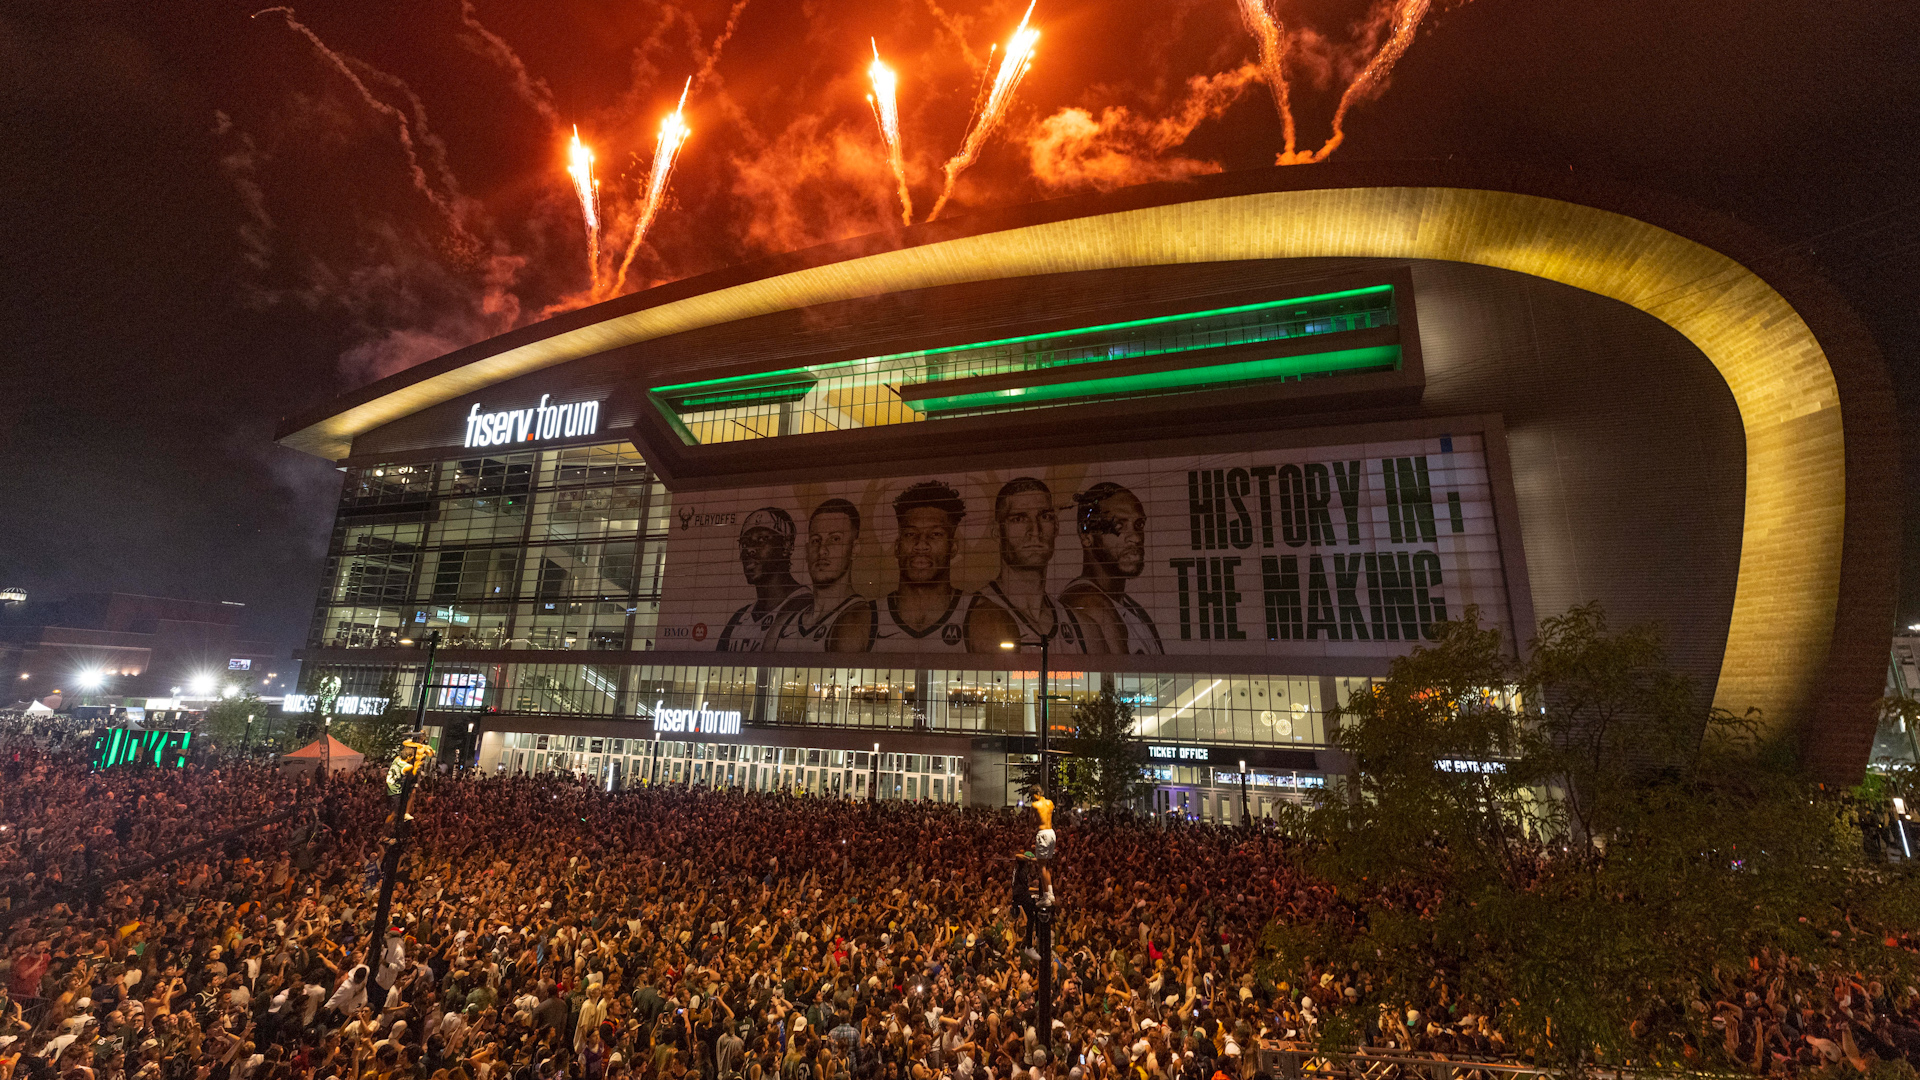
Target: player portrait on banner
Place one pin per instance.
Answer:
(836, 619)
(766, 558)
(1113, 551)
(1015, 605)
(923, 613)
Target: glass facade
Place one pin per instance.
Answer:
(538, 550)
(851, 774)
(907, 387)
(1249, 710)
(560, 554)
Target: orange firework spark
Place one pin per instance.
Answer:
(1272, 39)
(886, 113)
(1013, 67)
(673, 132)
(1404, 23)
(580, 167)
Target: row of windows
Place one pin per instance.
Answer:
(1187, 708)
(866, 392)
(559, 549)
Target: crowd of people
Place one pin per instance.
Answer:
(545, 930)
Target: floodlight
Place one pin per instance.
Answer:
(201, 685)
(91, 679)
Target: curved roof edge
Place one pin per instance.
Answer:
(1814, 605)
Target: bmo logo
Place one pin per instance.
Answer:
(696, 632)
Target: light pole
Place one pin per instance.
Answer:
(391, 867)
(1043, 996)
(1046, 768)
(873, 788)
(1246, 813)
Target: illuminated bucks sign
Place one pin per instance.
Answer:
(537, 424)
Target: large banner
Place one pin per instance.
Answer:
(1331, 551)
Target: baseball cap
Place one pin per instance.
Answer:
(769, 517)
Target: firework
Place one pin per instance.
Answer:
(886, 113)
(1404, 24)
(1013, 67)
(345, 65)
(1272, 40)
(580, 167)
(673, 132)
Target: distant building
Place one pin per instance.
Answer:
(113, 647)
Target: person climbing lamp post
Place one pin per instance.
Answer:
(1043, 852)
(401, 777)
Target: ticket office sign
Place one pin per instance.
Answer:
(1356, 550)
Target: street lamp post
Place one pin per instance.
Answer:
(1246, 812)
(873, 788)
(390, 870)
(1043, 996)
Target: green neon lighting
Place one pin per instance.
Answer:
(1378, 356)
(771, 396)
(1159, 320)
(1051, 335)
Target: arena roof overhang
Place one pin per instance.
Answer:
(1813, 607)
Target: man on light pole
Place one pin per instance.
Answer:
(1044, 846)
(401, 778)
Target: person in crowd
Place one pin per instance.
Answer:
(550, 930)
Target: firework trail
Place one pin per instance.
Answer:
(341, 64)
(580, 167)
(1366, 85)
(535, 92)
(673, 132)
(886, 113)
(1013, 67)
(719, 43)
(1272, 40)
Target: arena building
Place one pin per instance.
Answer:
(1229, 446)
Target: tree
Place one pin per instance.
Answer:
(226, 720)
(1103, 764)
(379, 735)
(1577, 840)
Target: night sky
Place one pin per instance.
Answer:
(205, 228)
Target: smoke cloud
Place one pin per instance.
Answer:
(415, 263)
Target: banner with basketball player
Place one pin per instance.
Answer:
(1340, 550)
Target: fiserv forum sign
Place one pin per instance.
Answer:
(1354, 550)
(536, 424)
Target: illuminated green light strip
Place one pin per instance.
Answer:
(1378, 356)
(774, 396)
(1047, 336)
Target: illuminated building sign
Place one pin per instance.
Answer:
(700, 721)
(1178, 753)
(123, 746)
(537, 424)
(240, 664)
(345, 705)
(463, 690)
